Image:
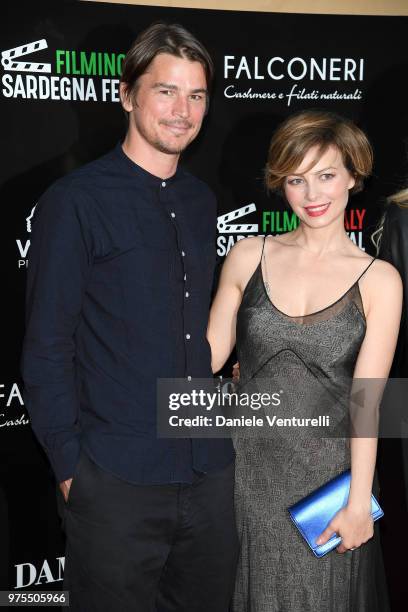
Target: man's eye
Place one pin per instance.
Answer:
(166, 92)
(197, 97)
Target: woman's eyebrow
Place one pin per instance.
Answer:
(324, 169)
(317, 171)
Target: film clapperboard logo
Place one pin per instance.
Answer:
(8, 58)
(225, 227)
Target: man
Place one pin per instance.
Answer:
(121, 267)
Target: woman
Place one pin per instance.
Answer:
(392, 244)
(309, 309)
(391, 241)
(393, 247)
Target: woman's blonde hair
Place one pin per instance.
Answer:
(401, 199)
(307, 129)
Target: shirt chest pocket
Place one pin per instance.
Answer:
(135, 253)
(150, 266)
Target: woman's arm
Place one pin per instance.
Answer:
(383, 293)
(237, 269)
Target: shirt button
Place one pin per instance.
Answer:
(185, 277)
(173, 214)
(188, 336)
(163, 183)
(183, 253)
(187, 294)
(188, 378)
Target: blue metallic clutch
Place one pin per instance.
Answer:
(313, 513)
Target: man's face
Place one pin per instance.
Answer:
(169, 105)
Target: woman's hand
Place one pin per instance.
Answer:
(354, 525)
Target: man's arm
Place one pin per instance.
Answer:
(59, 267)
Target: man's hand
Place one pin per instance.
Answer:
(65, 487)
(235, 373)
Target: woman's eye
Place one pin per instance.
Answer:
(326, 176)
(295, 181)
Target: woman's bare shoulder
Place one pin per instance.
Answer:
(247, 249)
(242, 260)
(384, 272)
(382, 288)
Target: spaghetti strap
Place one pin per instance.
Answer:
(364, 271)
(264, 278)
(263, 247)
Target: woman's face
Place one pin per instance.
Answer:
(319, 194)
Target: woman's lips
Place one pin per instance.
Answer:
(317, 211)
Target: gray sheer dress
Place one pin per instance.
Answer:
(308, 358)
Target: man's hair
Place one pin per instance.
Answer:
(307, 129)
(163, 38)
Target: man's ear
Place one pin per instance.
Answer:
(125, 97)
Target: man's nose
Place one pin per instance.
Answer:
(181, 106)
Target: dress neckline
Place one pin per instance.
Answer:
(310, 314)
(316, 312)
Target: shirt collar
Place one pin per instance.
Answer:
(136, 170)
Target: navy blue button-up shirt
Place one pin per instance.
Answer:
(118, 292)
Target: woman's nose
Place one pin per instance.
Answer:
(311, 192)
